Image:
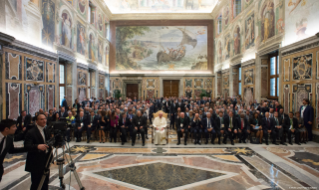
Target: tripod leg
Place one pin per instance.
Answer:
(78, 179)
(46, 170)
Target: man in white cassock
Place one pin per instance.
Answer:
(160, 125)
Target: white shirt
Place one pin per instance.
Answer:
(42, 132)
(4, 143)
(302, 110)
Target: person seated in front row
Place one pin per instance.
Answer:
(301, 128)
(124, 123)
(197, 128)
(183, 126)
(208, 127)
(219, 126)
(94, 121)
(231, 127)
(70, 121)
(80, 126)
(139, 123)
(243, 128)
(256, 127)
(160, 125)
(293, 129)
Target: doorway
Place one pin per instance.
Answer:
(132, 91)
(171, 88)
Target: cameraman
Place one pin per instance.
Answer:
(34, 144)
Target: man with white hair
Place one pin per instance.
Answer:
(160, 125)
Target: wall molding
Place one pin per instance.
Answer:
(248, 63)
(302, 45)
(66, 57)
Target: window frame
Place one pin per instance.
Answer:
(235, 8)
(275, 76)
(64, 77)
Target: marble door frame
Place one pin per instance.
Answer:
(132, 81)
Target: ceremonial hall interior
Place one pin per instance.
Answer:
(159, 94)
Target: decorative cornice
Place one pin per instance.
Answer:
(6, 39)
(66, 57)
(248, 63)
(161, 75)
(302, 45)
(82, 66)
(158, 16)
(236, 60)
(92, 67)
(268, 49)
(33, 50)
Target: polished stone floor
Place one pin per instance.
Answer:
(192, 167)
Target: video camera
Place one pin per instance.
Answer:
(58, 129)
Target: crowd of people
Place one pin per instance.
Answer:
(199, 118)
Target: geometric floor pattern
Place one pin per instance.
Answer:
(193, 167)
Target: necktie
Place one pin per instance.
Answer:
(242, 124)
(1, 144)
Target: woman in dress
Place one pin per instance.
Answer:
(103, 126)
(114, 119)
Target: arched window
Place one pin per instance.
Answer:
(236, 7)
(220, 18)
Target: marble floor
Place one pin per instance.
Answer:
(193, 167)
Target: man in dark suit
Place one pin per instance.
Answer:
(139, 125)
(81, 123)
(65, 103)
(197, 128)
(208, 127)
(173, 111)
(23, 121)
(306, 112)
(285, 123)
(183, 126)
(92, 122)
(63, 113)
(37, 157)
(243, 128)
(219, 126)
(293, 129)
(269, 128)
(277, 106)
(77, 106)
(125, 124)
(279, 128)
(231, 125)
(7, 128)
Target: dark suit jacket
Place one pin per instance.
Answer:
(65, 114)
(204, 122)
(94, 123)
(307, 114)
(246, 125)
(85, 121)
(136, 120)
(127, 122)
(270, 125)
(78, 108)
(235, 122)
(285, 121)
(196, 124)
(9, 148)
(185, 123)
(27, 121)
(295, 123)
(36, 159)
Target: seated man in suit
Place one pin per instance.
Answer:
(139, 124)
(293, 129)
(197, 128)
(219, 126)
(183, 126)
(23, 121)
(160, 125)
(80, 126)
(124, 123)
(63, 113)
(70, 121)
(208, 127)
(7, 129)
(285, 123)
(231, 125)
(269, 128)
(243, 128)
(279, 128)
(92, 124)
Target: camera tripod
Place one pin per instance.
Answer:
(60, 162)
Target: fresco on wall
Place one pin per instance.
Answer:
(82, 78)
(248, 95)
(82, 94)
(48, 18)
(82, 6)
(301, 19)
(161, 48)
(280, 24)
(188, 92)
(81, 39)
(100, 22)
(66, 30)
(267, 21)
(227, 47)
(237, 41)
(34, 70)
(106, 56)
(302, 67)
(226, 16)
(249, 77)
(219, 54)
(92, 47)
(250, 32)
(100, 51)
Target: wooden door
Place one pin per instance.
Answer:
(132, 90)
(171, 88)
